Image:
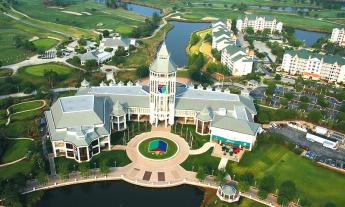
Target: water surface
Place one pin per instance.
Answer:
(308, 37)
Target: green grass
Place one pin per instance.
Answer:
(205, 160)
(101, 17)
(5, 72)
(118, 156)
(22, 128)
(26, 106)
(45, 43)
(270, 158)
(144, 149)
(24, 167)
(38, 70)
(198, 140)
(16, 150)
(9, 29)
(26, 115)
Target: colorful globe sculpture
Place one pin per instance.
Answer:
(158, 146)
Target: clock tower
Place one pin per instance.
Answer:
(162, 88)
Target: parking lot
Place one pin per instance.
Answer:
(298, 137)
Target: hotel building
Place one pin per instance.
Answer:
(259, 23)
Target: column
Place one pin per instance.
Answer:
(87, 153)
(78, 154)
(118, 123)
(185, 120)
(109, 146)
(202, 128)
(54, 150)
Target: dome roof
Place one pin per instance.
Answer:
(229, 190)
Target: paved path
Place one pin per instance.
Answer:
(11, 163)
(222, 163)
(203, 149)
(17, 95)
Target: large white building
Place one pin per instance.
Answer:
(80, 126)
(237, 60)
(338, 36)
(222, 36)
(259, 23)
(315, 66)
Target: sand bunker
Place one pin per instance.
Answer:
(72, 12)
(209, 18)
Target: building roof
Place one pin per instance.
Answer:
(254, 17)
(229, 190)
(93, 55)
(204, 115)
(305, 54)
(118, 109)
(237, 125)
(116, 42)
(232, 49)
(162, 63)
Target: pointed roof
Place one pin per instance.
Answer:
(204, 114)
(118, 109)
(84, 83)
(162, 63)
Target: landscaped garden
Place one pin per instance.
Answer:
(133, 128)
(158, 148)
(39, 70)
(26, 106)
(187, 131)
(15, 150)
(205, 161)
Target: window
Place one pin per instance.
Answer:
(69, 146)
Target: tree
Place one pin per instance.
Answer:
(104, 167)
(304, 99)
(120, 51)
(74, 61)
(249, 30)
(105, 33)
(220, 177)
(89, 64)
(329, 205)
(108, 49)
(63, 170)
(82, 42)
(201, 174)
(42, 177)
(1, 64)
(277, 77)
(216, 54)
(51, 76)
(208, 38)
(315, 116)
(84, 169)
(142, 71)
(266, 186)
(289, 96)
(270, 89)
(287, 192)
(194, 39)
(322, 101)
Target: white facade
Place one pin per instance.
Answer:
(259, 23)
(237, 60)
(222, 35)
(338, 36)
(314, 66)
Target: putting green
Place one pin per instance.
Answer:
(38, 70)
(144, 148)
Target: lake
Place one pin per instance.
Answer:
(308, 36)
(142, 10)
(120, 193)
(177, 40)
(285, 8)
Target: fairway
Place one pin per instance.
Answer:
(45, 43)
(16, 150)
(24, 167)
(273, 159)
(38, 70)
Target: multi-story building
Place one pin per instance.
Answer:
(315, 66)
(80, 126)
(222, 36)
(237, 60)
(259, 23)
(338, 36)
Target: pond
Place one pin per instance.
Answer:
(177, 40)
(308, 37)
(120, 193)
(142, 10)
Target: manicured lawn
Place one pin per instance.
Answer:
(270, 158)
(26, 106)
(24, 167)
(118, 156)
(26, 115)
(45, 43)
(16, 150)
(38, 70)
(23, 128)
(91, 16)
(185, 131)
(126, 75)
(204, 160)
(144, 148)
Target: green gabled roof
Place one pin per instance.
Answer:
(234, 49)
(118, 109)
(220, 32)
(238, 57)
(305, 54)
(204, 115)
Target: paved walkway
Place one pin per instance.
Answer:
(19, 112)
(11, 163)
(203, 149)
